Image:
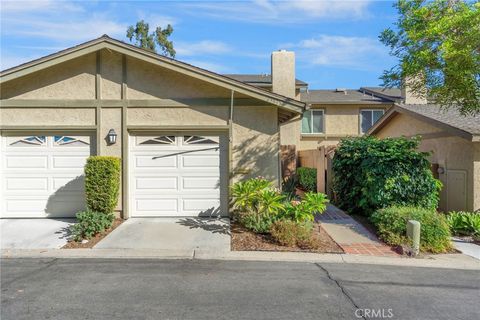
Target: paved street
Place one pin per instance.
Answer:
(195, 289)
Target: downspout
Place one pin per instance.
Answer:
(230, 149)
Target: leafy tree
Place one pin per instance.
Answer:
(437, 44)
(140, 36)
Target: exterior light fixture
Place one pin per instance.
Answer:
(440, 170)
(112, 137)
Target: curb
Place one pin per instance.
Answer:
(449, 261)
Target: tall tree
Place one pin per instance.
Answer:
(140, 36)
(437, 43)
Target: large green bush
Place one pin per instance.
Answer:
(307, 178)
(89, 223)
(102, 183)
(391, 224)
(372, 173)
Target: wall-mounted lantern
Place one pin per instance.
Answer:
(441, 170)
(112, 136)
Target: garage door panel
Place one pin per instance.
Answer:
(154, 183)
(70, 162)
(166, 204)
(195, 161)
(147, 161)
(201, 183)
(76, 184)
(17, 183)
(26, 162)
(192, 204)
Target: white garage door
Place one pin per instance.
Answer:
(42, 176)
(177, 175)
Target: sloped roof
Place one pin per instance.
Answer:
(394, 94)
(260, 79)
(338, 96)
(466, 126)
(105, 42)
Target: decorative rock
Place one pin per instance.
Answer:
(84, 241)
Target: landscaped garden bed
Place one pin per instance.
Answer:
(246, 240)
(90, 243)
(102, 185)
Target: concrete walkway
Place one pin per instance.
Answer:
(350, 235)
(469, 248)
(183, 234)
(34, 233)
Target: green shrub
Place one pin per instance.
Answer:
(307, 178)
(289, 185)
(258, 204)
(290, 233)
(307, 208)
(391, 224)
(372, 173)
(89, 223)
(102, 183)
(464, 223)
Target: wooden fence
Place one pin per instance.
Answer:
(320, 159)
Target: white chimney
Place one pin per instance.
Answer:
(283, 73)
(410, 97)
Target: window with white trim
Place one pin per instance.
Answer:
(368, 117)
(312, 122)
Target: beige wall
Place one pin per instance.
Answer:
(341, 120)
(47, 116)
(448, 151)
(74, 79)
(255, 136)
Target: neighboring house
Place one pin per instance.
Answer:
(454, 141)
(184, 133)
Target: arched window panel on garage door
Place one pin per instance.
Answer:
(71, 141)
(27, 141)
(200, 140)
(161, 140)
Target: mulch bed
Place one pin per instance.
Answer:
(96, 239)
(245, 240)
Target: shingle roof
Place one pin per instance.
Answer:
(450, 116)
(388, 93)
(339, 96)
(259, 79)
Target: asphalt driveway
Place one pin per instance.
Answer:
(202, 289)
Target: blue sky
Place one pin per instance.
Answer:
(336, 42)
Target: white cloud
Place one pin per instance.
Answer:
(202, 47)
(16, 6)
(80, 30)
(359, 53)
(269, 11)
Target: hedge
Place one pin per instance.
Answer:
(391, 224)
(372, 173)
(307, 178)
(102, 183)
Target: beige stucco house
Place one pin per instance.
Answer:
(183, 133)
(454, 141)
